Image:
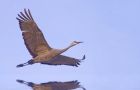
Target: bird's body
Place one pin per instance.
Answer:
(46, 56)
(39, 48)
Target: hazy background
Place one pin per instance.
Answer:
(110, 30)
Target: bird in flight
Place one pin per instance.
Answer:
(69, 85)
(39, 48)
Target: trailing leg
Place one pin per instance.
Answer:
(30, 62)
(27, 83)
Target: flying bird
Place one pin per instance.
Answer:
(70, 85)
(39, 48)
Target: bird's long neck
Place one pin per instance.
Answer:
(65, 49)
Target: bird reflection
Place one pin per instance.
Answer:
(70, 85)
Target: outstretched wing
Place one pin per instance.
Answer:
(64, 60)
(32, 35)
(61, 85)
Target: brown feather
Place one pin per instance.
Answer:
(60, 85)
(69, 85)
(30, 14)
(25, 11)
(23, 15)
(64, 60)
(32, 35)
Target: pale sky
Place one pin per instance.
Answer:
(110, 30)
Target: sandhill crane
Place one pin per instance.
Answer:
(39, 48)
(70, 85)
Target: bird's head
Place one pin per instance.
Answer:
(75, 43)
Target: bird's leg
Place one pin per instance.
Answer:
(84, 57)
(27, 63)
(83, 88)
(27, 83)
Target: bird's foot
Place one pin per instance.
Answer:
(20, 65)
(30, 62)
(84, 57)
